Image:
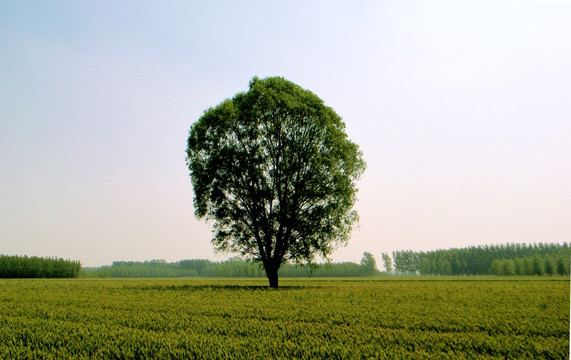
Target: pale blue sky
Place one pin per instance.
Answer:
(462, 110)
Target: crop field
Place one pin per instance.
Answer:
(406, 318)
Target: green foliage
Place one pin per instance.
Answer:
(406, 262)
(234, 267)
(538, 265)
(36, 267)
(387, 262)
(532, 265)
(550, 266)
(369, 264)
(400, 318)
(508, 259)
(519, 266)
(563, 264)
(274, 171)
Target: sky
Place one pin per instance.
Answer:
(462, 110)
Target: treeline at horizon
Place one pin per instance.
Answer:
(504, 259)
(14, 266)
(234, 267)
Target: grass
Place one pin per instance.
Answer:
(389, 317)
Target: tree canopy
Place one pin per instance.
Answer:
(387, 262)
(501, 259)
(37, 267)
(274, 171)
(368, 263)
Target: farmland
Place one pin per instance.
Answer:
(414, 317)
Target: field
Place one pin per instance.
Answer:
(407, 318)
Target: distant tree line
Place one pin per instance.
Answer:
(506, 259)
(37, 267)
(532, 265)
(233, 267)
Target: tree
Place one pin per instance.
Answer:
(509, 267)
(538, 265)
(274, 171)
(497, 267)
(445, 268)
(519, 266)
(368, 264)
(550, 265)
(387, 262)
(563, 264)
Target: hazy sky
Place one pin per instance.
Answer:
(461, 108)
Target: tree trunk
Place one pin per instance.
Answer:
(272, 273)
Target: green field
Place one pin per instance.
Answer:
(408, 318)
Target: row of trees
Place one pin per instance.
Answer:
(233, 267)
(37, 267)
(532, 265)
(506, 259)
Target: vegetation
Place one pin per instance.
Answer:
(36, 267)
(387, 262)
(394, 318)
(541, 259)
(369, 264)
(234, 267)
(274, 169)
(508, 259)
(557, 264)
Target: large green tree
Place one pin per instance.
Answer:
(274, 171)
